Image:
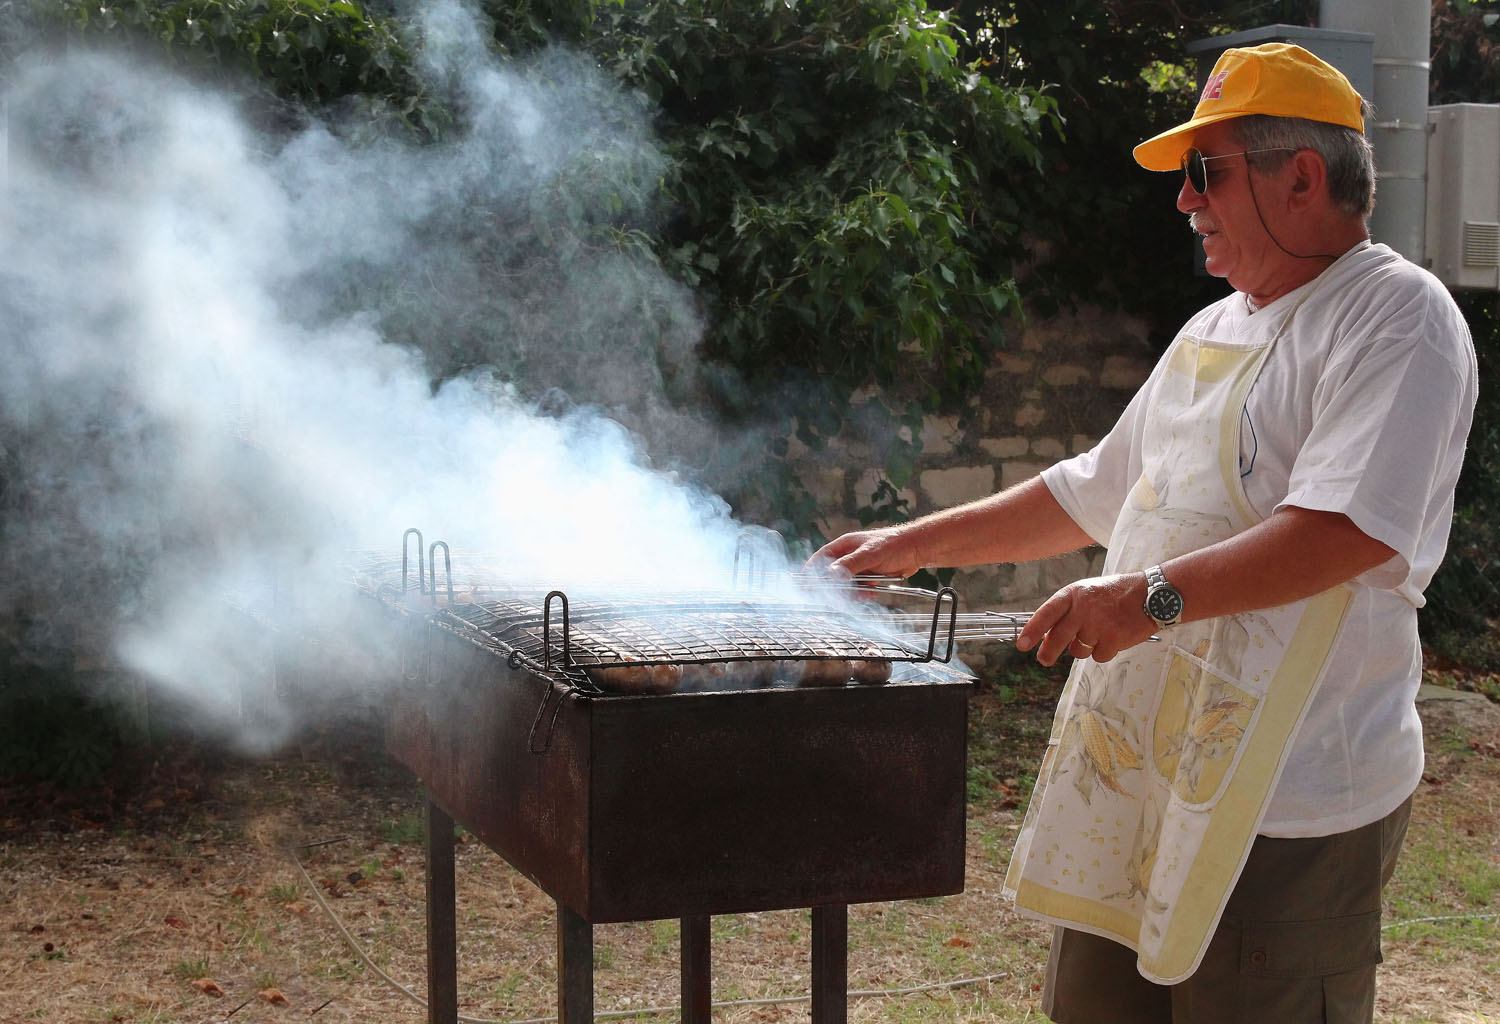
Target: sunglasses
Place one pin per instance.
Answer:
(1193, 165)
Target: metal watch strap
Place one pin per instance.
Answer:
(1164, 602)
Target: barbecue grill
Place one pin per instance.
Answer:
(755, 795)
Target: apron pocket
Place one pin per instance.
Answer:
(1201, 720)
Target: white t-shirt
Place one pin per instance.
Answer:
(1363, 407)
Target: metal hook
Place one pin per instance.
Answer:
(746, 544)
(551, 726)
(739, 548)
(937, 609)
(415, 667)
(421, 566)
(447, 569)
(567, 653)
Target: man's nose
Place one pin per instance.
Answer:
(1189, 200)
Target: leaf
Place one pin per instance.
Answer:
(901, 466)
(175, 922)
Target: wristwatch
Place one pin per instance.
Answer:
(1163, 601)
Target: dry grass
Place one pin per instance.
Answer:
(114, 908)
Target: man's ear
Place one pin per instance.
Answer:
(1310, 176)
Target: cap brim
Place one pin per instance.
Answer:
(1164, 152)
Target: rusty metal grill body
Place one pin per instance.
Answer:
(685, 805)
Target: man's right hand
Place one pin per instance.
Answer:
(890, 551)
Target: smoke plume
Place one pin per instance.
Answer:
(231, 356)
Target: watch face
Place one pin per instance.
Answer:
(1164, 604)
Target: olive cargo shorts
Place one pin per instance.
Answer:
(1298, 944)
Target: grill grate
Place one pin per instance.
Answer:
(678, 628)
(545, 632)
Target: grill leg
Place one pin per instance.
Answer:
(830, 964)
(697, 980)
(575, 968)
(442, 927)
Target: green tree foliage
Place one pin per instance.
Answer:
(310, 50)
(1465, 52)
(844, 182)
(1101, 229)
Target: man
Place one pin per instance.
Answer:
(1217, 812)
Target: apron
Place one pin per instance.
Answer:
(1161, 762)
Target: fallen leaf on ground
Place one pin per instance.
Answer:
(175, 922)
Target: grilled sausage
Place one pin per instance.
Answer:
(637, 678)
(872, 670)
(824, 671)
(706, 675)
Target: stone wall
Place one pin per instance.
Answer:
(1050, 395)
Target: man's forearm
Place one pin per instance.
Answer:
(1294, 554)
(1020, 524)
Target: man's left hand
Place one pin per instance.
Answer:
(1094, 618)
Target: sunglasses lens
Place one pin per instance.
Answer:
(1197, 174)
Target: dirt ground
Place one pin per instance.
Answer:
(196, 887)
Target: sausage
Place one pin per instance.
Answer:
(872, 669)
(822, 671)
(637, 678)
(706, 675)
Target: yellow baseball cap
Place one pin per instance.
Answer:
(1281, 79)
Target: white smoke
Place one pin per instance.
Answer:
(199, 391)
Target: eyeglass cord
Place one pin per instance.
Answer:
(1250, 180)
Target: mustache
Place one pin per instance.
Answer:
(1199, 225)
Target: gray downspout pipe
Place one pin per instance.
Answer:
(1398, 130)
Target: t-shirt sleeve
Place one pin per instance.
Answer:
(1387, 442)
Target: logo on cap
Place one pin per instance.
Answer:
(1213, 89)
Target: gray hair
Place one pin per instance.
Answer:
(1347, 153)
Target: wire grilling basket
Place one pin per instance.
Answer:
(760, 629)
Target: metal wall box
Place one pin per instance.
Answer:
(1463, 195)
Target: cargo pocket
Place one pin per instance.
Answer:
(1310, 949)
(1291, 969)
